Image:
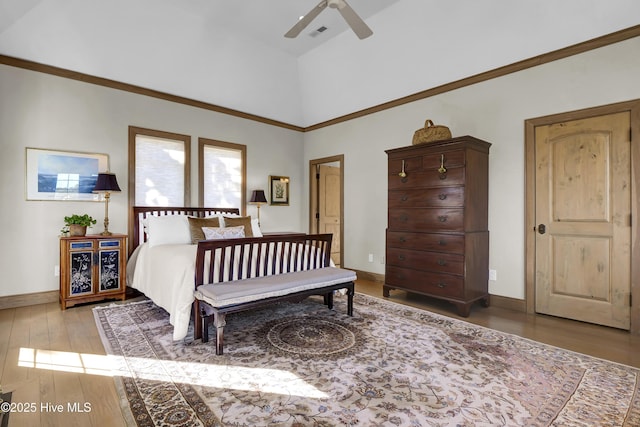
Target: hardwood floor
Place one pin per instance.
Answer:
(62, 341)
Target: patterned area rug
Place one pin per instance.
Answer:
(304, 365)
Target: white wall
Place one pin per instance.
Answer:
(443, 41)
(161, 45)
(494, 111)
(43, 111)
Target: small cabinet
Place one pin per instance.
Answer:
(92, 268)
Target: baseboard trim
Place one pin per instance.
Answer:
(24, 300)
(508, 303)
(495, 300)
(366, 275)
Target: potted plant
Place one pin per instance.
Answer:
(76, 225)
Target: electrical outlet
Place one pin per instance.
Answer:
(56, 270)
(370, 257)
(493, 275)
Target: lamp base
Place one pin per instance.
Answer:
(106, 233)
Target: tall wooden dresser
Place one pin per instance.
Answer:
(437, 236)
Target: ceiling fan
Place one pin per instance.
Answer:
(355, 22)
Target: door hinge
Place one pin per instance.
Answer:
(317, 215)
(630, 300)
(317, 176)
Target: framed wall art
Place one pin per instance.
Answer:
(63, 175)
(279, 190)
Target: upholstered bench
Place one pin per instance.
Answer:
(296, 267)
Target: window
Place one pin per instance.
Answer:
(222, 179)
(158, 168)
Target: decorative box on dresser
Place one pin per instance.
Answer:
(437, 237)
(92, 268)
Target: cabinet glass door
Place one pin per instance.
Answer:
(81, 280)
(109, 266)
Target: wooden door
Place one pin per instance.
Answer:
(329, 186)
(583, 219)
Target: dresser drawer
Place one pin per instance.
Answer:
(429, 197)
(447, 159)
(443, 285)
(427, 178)
(430, 161)
(426, 219)
(450, 243)
(438, 262)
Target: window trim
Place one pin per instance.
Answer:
(202, 143)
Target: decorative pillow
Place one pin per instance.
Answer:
(227, 215)
(244, 221)
(216, 233)
(255, 227)
(168, 230)
(196, 224)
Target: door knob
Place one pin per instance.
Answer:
(542, 229)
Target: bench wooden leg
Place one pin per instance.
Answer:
(328, 300)
(350, 292)
(197, 320)
(205, 328)
(219, 322)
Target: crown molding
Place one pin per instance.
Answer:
(535, 61)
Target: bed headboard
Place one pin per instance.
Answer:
(139, 213)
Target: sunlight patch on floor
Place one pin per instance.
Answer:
(201, 374)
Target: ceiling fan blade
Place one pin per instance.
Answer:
(306, 20)
(356, 23)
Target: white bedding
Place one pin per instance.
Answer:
(165, 275)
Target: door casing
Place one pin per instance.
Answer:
(313, 202)
(530, 203)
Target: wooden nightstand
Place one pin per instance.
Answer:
(92, 268)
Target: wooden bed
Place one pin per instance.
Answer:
(164, 274)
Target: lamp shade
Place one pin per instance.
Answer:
(106, 182)
(258, 196)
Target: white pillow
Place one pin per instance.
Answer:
(255, 228)
(168, 230)
(215, 233)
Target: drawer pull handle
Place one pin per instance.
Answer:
(402, 173)
(405, 198)
(403, 239)
(404, 218)
(442, 196)
(442, 243)
(442, 169)
(442, 218)
(441, 285)
(442, 262)
(401, 257)
(443, 176)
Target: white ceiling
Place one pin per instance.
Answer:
(232, 53)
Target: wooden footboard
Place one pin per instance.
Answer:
(260, 267)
